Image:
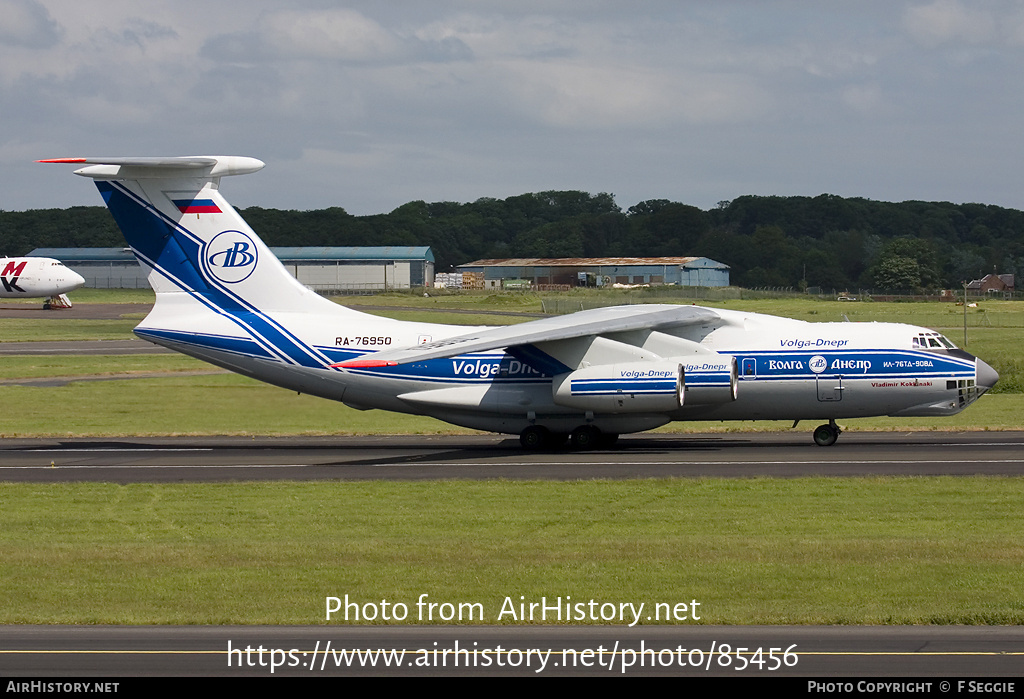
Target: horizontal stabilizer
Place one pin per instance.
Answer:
(148, 168)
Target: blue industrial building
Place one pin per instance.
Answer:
(324, 269)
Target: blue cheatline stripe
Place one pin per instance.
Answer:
(872, 354)
(171, 249)
(539, 360)
(222, 343)
(883, 364)
(438, 370)
(152, 238)
(610, 387)
(692, 380)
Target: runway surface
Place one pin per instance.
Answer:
(780, 455)
(79, 311)
(693, 651)
(82, 347)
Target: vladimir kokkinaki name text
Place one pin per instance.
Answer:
(546, 609)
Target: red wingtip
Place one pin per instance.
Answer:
(62, 160)
(362, 364)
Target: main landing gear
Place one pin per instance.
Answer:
(826, 435)
(535, 438)
(584, 437)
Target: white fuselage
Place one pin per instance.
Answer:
(787, 369)
(36, 277)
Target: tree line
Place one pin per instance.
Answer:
(825, 241)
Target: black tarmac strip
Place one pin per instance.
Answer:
(922, 655)
(79, 311)
(82, 347)
(414, 458)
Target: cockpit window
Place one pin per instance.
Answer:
(931, 341)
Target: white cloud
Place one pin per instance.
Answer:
(863, 98)
(27, 23)
(465, 98)
(945, 21)
(337, 34)
(587, 95)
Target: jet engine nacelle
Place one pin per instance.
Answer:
(633, 387)
(710, 379)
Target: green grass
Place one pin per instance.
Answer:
(761, 551)
(41, 366)
(932, 315)
(113, 296)
(65, 329)
(478, 300)
(192, 405)
(450, 318)
(989, 313)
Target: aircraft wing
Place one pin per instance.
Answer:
(598, 321)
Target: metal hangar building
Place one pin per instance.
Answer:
(601, 271)
(323, 269)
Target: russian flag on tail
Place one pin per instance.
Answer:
(196, 206)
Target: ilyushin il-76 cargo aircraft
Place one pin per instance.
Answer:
(590, 376)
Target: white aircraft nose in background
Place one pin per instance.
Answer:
(38, 277)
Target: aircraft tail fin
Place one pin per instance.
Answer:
(189, 237)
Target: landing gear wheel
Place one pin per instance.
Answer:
(585, 437)
(534, 437)
(826, 435)
(608, 440)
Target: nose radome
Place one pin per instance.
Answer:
(987, 376)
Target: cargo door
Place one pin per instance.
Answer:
(830, 388)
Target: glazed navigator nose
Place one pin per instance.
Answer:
(986, 376)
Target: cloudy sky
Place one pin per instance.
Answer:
(368, 105)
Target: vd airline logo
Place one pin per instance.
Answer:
(817, 364)
(231, 256)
